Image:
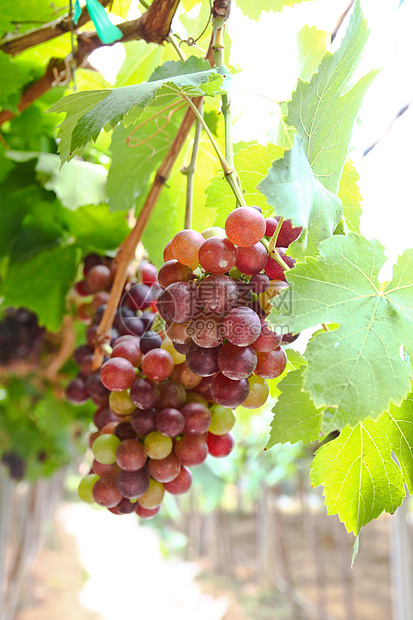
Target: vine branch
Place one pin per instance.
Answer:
(152, 27)
(189, 172)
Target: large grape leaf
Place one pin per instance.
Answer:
(356, 369)
(295, 193)
(253, 9)
(41, 283)
(295, 416)
(88, 113)
(350, 196)
(324, 110)
(252, 162)
(360, 478)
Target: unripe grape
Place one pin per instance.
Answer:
(259, 392)
(85, 489)
(153, 496)
(222, 421)
(104, 449)
(121, 403)
(157, 446)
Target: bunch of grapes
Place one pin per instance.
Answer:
(21, 338)
(155, 418)
(215, 298)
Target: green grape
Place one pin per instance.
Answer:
(223, 419)
(157, 446)
(120, 403)
(85, 489)
(153, 496)
(104, 449)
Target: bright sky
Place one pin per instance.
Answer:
(267, 53)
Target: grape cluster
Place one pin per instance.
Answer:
(215, 298)
(155, 417)
(21, 338)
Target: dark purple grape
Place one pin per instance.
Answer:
(124, 430)
(132, 484)
(150, 340)
(97, 391)
(147, 319)
(125, 507)
(98, 278)
(77, 392)
(132, 326)
(81, 352)
(144, 393)
(236, 362)
(229, 393)
(181, 348)
(143, 421)
(103, 416)
(171, 394)
(259, 283)
(201, 361)
(138, 297)
(197, 418)
(170, 422)
(90, 261)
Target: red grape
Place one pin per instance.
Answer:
(106, 493)
(197, 418)
(251, 260)
(181, 483)
(191, 450)
(117, 374)
(245, 226)
(130, 455)
(271, 365)
(157, 364)
(242, 326)
(220, 445)
(132, 484)
(164, 470)
(172, 271)
(217, 255)
(185, 246)
(229, 393)
(170, 422)
(236, 362)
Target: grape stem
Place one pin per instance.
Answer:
(170, 38)
(273, 240)
(189, 172)
(230, 174)
(218, 49)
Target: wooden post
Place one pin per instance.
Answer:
(401, 562)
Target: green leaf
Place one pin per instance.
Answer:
(88, 113)
(253, 9)
(12, 80)
(295, 416)
(397, 425)
(95, 229)
(27, 13)
(42, 283)
(356, 369)
(312, 45)
(350, 196)
(136, 156)
(75, 106)
(360, 478)
(324, 110)
(77, 184)
(295, 193)
(252, 162)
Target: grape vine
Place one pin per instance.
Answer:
(280, 252)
